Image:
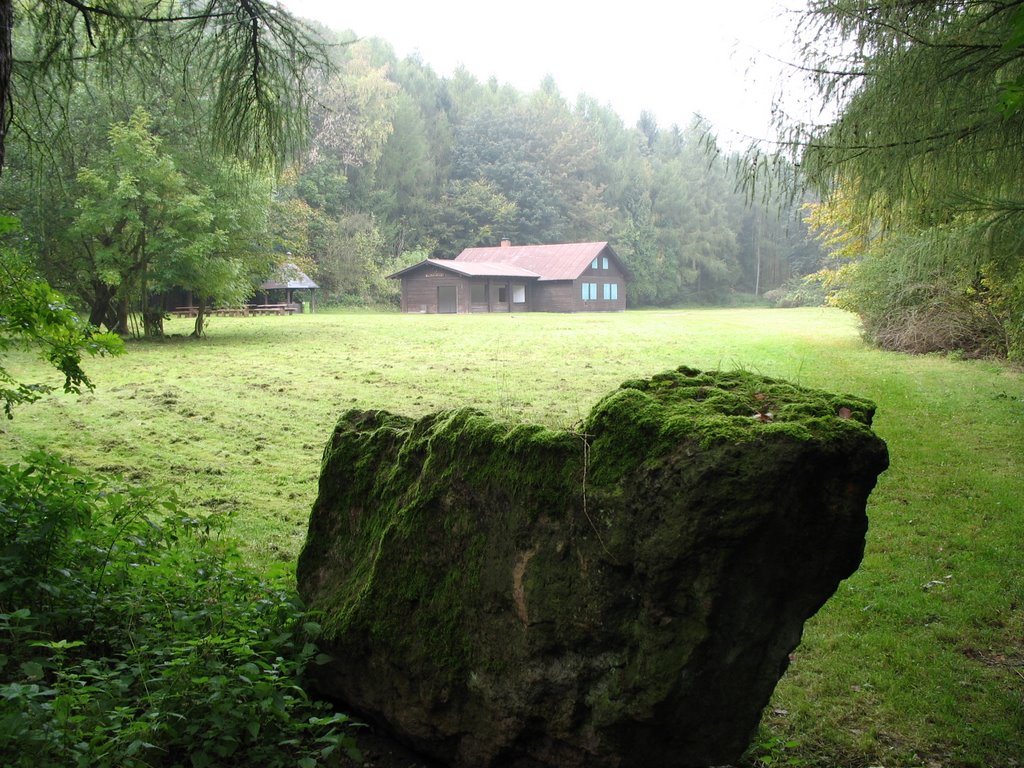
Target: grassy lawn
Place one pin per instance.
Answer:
(917, 661)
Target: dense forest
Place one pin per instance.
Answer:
(124, 195)
(428, 166)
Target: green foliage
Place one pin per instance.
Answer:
(42, 503)
(471, 213)
(354, 264)
(224, 85)
(797, 292)
(34, 316)
(150, 227)
(129, 637)
(914, 294)
(923, 163)
(248, 60)
(770, 751)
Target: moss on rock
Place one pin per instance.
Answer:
(625, 595)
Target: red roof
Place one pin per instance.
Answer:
(564, 261)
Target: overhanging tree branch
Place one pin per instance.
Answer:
(258, 56)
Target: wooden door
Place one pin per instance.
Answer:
(447, 299)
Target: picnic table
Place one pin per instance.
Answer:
(243, 311)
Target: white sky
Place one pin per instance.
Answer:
(673, 58)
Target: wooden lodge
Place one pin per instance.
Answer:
(569, 277)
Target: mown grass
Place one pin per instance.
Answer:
(917, 661)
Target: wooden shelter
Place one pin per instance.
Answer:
(287, 284)
(567, 277)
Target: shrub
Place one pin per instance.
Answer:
(798, 292)
(912, 297)
(130, 636)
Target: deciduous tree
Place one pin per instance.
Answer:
(148, 227)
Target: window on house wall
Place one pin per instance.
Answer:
(478, 293)
(518, 294)
(502, 294)
(604, 262)
(589, 291)
(611, 291)
(593, 264)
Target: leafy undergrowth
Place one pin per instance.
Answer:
(131, 637)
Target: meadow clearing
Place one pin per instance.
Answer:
(918, 660)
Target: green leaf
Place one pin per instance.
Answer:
(311, 628)
(33, 670)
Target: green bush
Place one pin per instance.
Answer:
(913, 297)
(131, 637)
(798, 292)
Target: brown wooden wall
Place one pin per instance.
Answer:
(420, 292)
(567, 296)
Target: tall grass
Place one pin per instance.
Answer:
(917, 661)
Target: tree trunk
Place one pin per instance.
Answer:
(757, 251)
(101, 310)
(6, 58)
(119, 311)
(153, 319)
(200, 327)
(152, 315)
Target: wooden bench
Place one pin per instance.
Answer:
(244, 311)
(274, 309)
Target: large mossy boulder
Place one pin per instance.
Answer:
(627, 594)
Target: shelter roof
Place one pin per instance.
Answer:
(289, 276)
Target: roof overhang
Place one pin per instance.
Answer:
(469, 269)
(288, 276)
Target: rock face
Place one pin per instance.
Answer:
(506, 595)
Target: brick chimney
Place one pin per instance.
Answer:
(506, 243)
